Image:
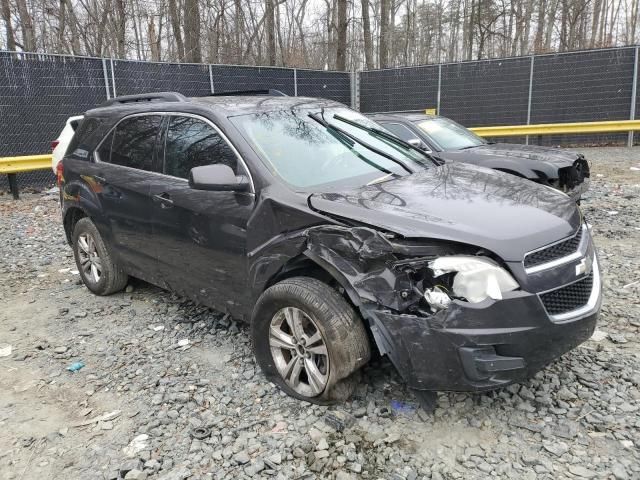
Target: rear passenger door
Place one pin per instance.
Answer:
(126, 161)
(200, 236)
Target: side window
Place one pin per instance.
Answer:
(104, 151)
(132, 143)
(79, 145)
(192, 143)
(400, 131)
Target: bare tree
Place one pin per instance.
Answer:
(338, 34)
(26, 24)
(385, 19)
(341, 43)
(270, 25)
(192, 51)
(6, 16)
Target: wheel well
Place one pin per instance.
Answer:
(70, 219)
(302, 267)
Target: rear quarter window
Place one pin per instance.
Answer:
(81, 144)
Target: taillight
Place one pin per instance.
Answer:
(54, 144)
(60, 173)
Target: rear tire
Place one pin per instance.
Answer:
(309, 340)
(98, 271)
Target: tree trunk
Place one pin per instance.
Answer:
(237, 26)
(26, 24)
(470, 31)
(6, 15)
(192, 50)
(153, 41)
(551, 18)
(385, 6)
(121, 31)
(366, 31)
(62, 20)
(542, 10)
(269, 12)
(341, 47)
(175, 25)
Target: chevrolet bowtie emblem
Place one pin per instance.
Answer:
(581, 268)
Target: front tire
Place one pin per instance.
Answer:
(309, 340)
(98, 271)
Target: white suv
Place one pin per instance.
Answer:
(62, 142)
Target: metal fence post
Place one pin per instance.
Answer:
(113, 79)
(439, 88)
(213, 90)
(355, 89)
(106, 78)
(526, 139)
(295, 82)
(634, 85)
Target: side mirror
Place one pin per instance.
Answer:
(217, 178)
(416, 142)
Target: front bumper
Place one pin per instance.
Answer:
(482, 346)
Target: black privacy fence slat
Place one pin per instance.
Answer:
(39, 92)
(583, 87)
(138, 77)
(486, 93)
(399, 89)
(228, 78)
(325, 84)
(580, 86)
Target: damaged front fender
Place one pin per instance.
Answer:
(466, 346)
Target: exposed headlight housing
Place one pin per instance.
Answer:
(476, 278)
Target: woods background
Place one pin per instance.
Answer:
(331, 34)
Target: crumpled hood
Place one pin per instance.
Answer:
(464, 203)
(556, 156)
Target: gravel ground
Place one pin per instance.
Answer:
(171, 391)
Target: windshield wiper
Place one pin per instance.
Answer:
(366, 145)
(386, 135)
(469, 147)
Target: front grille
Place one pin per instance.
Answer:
(558, 250)
(569, 298)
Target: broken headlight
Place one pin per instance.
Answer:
(474, 279)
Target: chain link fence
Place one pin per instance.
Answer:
(39, 92)
(595, 85)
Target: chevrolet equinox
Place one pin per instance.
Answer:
(332, 238)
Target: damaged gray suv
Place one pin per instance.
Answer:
(332, 238)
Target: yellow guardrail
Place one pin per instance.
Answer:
(24, 164)
(611, 126)
(12, 165)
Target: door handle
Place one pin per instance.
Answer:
(164, 199)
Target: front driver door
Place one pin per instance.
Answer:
(200, 236)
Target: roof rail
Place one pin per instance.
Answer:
(145, 97)
(270, 92)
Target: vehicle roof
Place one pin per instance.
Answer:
(406, 116)
(224, 105)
